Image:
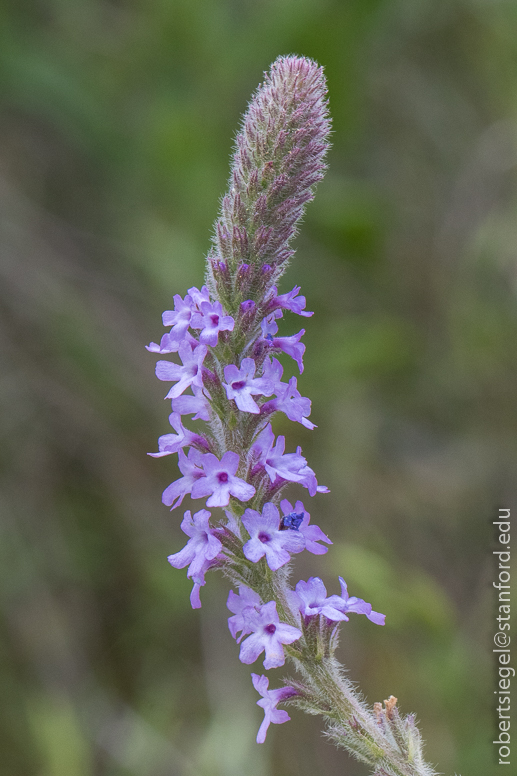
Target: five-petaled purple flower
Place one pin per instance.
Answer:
(267, 538)
(200, 550)
(170, 345)
(290, 301)
(179, 318)
(311, 599)
(172, 443)
(190, 373)
(267, 634)
(311, 533)
(192, 470)
(345, 604)
(237, 604)
(211, 320)
(219, 481)
(241, 384)
(195, 405)
(269, 701)
(290, 345)
(290, 401)
(279, 466)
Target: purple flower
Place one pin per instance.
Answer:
(292, 346)
(199, 582)
(345, 604)
(267, 538)
(191, 373)
(198, 297)
(270, 700)
(311, 533)
(192, 471)
(242, 384)
(170, 345)
(220, 481)
(179, 318)
(311, 599)
(267, 634)
(237, 604)
(200, 551)
(269, 325)
(290, 466)
(195, 405)
(290, 301)
(172, 443)
(247, 307)
(290, 401)
(211, 320)
(273, 371)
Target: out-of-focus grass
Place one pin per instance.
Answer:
(116, 125)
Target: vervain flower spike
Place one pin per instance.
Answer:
(230, 381)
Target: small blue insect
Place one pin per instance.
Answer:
(292, 521)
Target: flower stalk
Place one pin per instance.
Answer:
(225, 336)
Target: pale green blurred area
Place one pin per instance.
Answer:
(116, 127)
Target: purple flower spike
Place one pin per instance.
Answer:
(311, 533)
(346, 604)
(211, 320)
(267, 634)
(220, 481)
(172, 443)
(192, 471)
(191, 373)
(238, 604)
(242, 384)
(311, 598)
(267, 538)
(270, 700)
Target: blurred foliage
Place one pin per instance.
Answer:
(116, 126)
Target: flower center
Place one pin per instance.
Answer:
(214, 320)
(271, 628)
(238, 384)
(222, 477)
(264, 537)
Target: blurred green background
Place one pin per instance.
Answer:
(116, 128)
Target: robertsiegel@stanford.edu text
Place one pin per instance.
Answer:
(505, 672)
